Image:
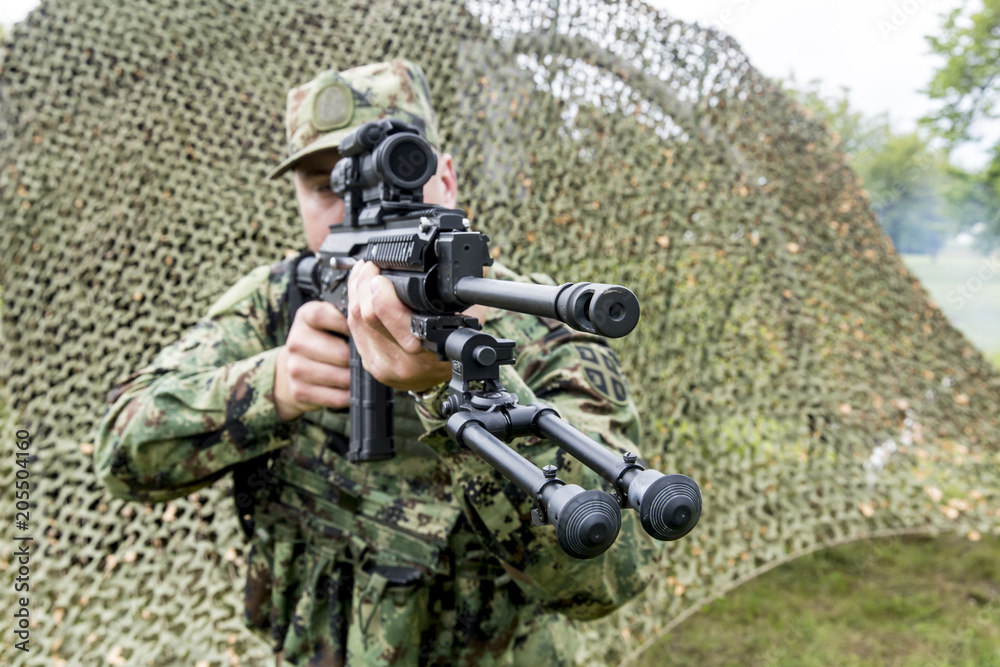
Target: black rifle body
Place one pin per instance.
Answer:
(436, 265)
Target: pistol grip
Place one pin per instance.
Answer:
(371, 415)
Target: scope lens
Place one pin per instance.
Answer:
(407, 161)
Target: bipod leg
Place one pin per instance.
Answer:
(586, 522)
(479, 409)
(669, 506)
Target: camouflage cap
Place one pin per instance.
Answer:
(323, 111)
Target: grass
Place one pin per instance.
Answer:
(908, 602)
(966, 287)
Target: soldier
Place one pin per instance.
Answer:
(428, 557)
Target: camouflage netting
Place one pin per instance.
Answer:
(786, 359)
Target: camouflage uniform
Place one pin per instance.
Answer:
(429, 557)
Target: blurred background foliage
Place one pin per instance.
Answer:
(922, 198)
(968, 88)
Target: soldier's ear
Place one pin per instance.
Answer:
(449, 181)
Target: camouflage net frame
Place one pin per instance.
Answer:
(786, 360)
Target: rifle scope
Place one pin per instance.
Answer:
(401, 160)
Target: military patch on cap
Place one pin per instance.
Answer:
(604, 373)
(321, 112)
(333, 107)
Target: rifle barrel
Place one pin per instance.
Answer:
(607, 310)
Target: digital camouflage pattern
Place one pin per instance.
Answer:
(429, 556)
(785, 359)
(325, 110)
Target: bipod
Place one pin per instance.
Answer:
(483, 416)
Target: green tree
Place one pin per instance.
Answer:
(857, 132)
(968, 86)
(907, 180)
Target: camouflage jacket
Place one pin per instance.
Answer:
(426, 558)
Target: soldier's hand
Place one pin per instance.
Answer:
(380, 328)
(313, 366)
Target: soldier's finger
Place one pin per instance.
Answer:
(318, 345)
(367, 297)
(305, 371)
(478, 311)
(322, 316)
(353, 297)
(360, 293)
(327, 397)
(393, 315)
(352, 288)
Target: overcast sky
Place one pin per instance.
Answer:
(12, 11)
(874, 47)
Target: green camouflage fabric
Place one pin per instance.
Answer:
(325, 110)
(786, 359)
(429, 557)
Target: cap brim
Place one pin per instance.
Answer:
(328, 141)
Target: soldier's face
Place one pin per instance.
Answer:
(321, 208)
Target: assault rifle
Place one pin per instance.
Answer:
(435, 263)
